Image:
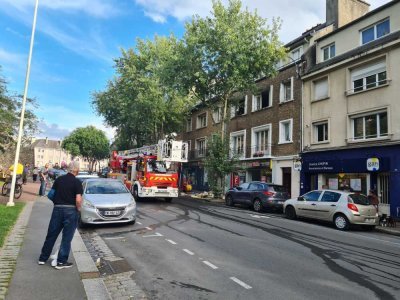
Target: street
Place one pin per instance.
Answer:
(191, 249)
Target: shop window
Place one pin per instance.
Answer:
(375, 31)
(370, 126)
(321, 89)
(201, 121)
(368, 77)
(321, 132)
(238, 143)
(329, 52)
(285, 131)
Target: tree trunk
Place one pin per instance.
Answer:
(224, 118)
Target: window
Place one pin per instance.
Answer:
(255, 187)
(239, 109)
(368, 77)
(312, 196)
(201, 147)
(370, 126)
(375, 31)
(296, 53)
(217, 114)
(189, 125)
(260, 141)
(263, 100)
(238, 143)
(321, 132)
(330, 197)
(285, 131)
(321, 89)
(329, 52)
(201, 121)
(286, 92)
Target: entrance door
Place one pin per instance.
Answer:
(383, 193)
(287, 179)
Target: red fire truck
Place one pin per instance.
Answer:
(151, 171)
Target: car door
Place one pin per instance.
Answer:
(328, 204)
(308, 207)
(239, 193)
(253, 189)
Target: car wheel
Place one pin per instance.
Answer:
(257, 205)
(229, 200)
(136, 193)
(367, 227)
(341, 222)
(290, 213)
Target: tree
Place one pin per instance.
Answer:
(137, 102)
(89, 142)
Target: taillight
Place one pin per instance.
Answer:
(352, 206)
(269, 194)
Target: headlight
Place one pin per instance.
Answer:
(132, 204)
(88, 204)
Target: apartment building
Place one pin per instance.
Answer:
(350, 100)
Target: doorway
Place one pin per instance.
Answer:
(287, 179)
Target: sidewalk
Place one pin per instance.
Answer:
(31, 281)
(29, 193)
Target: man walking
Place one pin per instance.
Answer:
(67, 203)
(43, 173)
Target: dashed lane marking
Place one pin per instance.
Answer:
(149, 228)
(157, 234)
(139, 223)
(241, 283)
(258, 216)
(170, 241)
(188, 251)
(210, 265)
(114, 238)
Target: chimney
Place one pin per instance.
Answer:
(47, 140)
(341, 12)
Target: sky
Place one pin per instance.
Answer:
(77, 40)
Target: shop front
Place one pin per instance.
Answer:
(196, 175)
(360, 170)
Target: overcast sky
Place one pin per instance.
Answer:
(76, 42)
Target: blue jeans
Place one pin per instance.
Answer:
(42, 190)
(65, 219)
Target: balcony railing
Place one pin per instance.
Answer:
(250, 152)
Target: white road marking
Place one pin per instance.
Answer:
(258, 216)
(188, 251)
(153, 235)
(114, 238)
(239, 282)
(171, 241)
(210, 265)
(149, 228)
(139, 223)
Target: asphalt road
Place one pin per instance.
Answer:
(190, 249)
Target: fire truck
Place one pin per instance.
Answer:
(151, 171)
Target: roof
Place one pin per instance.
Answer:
(367, 15)
(356, 52)
(51, 144)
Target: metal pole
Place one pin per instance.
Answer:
(21, 122)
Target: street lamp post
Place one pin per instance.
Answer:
(21, 122)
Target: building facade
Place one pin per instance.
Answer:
(350, 102)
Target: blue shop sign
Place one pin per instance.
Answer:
(355, 165)
(321, 166)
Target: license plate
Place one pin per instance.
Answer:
(370, 220)
(112, 213)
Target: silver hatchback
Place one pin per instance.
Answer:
(106, 201)
(341, 208)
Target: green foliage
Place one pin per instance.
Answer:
(10, 110)
(8, 217)
(138, 102)
(218, 163)
(88, 142)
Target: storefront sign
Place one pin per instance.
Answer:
(373, 164)
(297, 165)
(324, 166)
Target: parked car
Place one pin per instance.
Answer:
(55, 173)
(258, 195)
(106, 201)
(340, 207)
(85, 175)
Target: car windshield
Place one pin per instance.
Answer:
(359, 199)
(105, 187)
(156, 166)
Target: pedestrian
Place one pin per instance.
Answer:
(67, 204)
(43, 177)
(25, 174)
(373, 198)
(35, 173)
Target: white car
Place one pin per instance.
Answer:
(341, 208)
(106, 201)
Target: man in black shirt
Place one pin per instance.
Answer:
(67, 203)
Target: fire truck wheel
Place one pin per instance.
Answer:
(136, 194)
(168, 200)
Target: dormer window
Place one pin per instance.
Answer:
(375, 31)
(329, 52)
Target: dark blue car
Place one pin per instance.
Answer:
(259, 195)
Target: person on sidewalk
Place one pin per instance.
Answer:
(43, 177)
(67, 204)
(35, 173)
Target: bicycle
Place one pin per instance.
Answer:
(6, 189)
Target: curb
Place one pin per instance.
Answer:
(94, 285)
(387, 231)
(11, 248)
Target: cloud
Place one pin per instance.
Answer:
(52, 131)
(297, 16)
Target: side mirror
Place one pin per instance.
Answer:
(301, 198)
(238, 188)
